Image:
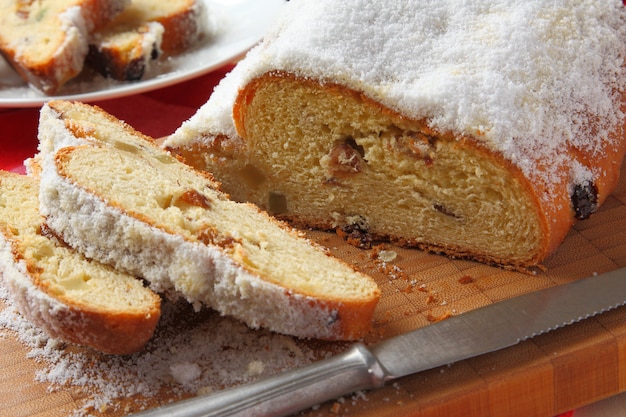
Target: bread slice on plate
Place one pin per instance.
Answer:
(47, 41)
(124, 201)
(143, 32)
(68, 296)
(125, 52)
(478, 131)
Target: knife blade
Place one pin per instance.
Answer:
(470, 334)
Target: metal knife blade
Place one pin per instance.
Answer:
(460, 337)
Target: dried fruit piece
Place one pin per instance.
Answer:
(584, 199)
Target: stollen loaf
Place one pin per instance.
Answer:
(480, 129)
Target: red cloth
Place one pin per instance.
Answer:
(156, 113)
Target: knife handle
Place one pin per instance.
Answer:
(288, 392)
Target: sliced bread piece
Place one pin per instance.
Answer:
(145, 31)
(57, 289)
(123, 200)
(47, 41)
(125, 52)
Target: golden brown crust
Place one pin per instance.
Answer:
(355, 321)
(115, 334)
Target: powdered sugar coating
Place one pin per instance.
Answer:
(215, 116)
(522, 77)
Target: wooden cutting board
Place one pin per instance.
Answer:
(548, 375)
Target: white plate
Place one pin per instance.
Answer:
(237, 26)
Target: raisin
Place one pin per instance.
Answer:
(209, 235)
(346, 158)
(584, 199)
(194, 198)
(134, 71)
(154, 53)
(418, 145)
(356, 234)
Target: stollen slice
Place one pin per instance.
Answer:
(144, 32)
(121, 199)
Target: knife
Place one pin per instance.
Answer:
(470, 334)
